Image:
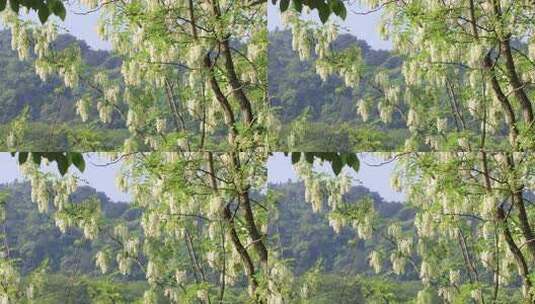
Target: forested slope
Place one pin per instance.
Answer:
(294, 87)
(48, 106)
(332, 122)
(303, 237)
(35, 242)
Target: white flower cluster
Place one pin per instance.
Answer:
(489, 206)
(313, 193)
(446, 293)
(215, 205)
(324, 69)
(90, 228)
(134, 120)
(150, 297)
(385, 111)
(9, 278)
(180, 276)
(70, 76)
(405, 246)
(424, 224)
(412, 119)
(410, 72)
(153, 272)
(196, 55)
(363, 109)
(442, 124)
(426, 271)
(336, 222)
(90, 4)
(104, 111)
(39, 189)
(279, 277)
(364, 227)
(151, 224)
(531, 48)
(102, 261)
(82, 108)
(398, 263)
(124, 263)
(375, 261)
(132, 72)
(20, 40)
(475, 56)
(45, 35)
(424, 297)
(301, 40)
(64, 188)
(11, 140)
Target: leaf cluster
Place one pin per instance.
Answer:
(43, 8)
(63, 159)
(337, 160)
(325, 7)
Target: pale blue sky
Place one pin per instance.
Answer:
(84, 27)
(80, 23)
(280, 170)
(376, 178)
(364, 27)
(98, 177)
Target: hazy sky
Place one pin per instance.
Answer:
(98, 177)
(103, 178)
(376, 178)
(84, 27)
(280, 169)
(362, 26)
(80, 23)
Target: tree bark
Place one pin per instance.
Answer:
(234, 237)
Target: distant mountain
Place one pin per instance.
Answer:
(333, 123)
(34, 238)
(294, 84)
(306, 238)
(47, 101)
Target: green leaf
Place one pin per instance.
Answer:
(43, 14)
(298, 5)
(36, 158)
(338, 7)
(295, 157)
(337, 165)
(309, 157)
(14, 5)
(58, 9)
(34, 4)
(23, 157)
(3, 4)
(353, 161)
(78, 160)
(324, 12)
(284, 5)
(63, 164)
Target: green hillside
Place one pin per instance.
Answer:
(332, 123)
(48, 107)
(304, 238)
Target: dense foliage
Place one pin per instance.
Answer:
(465, 87)
(43, 112)
(337, 262)
(326, 110)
